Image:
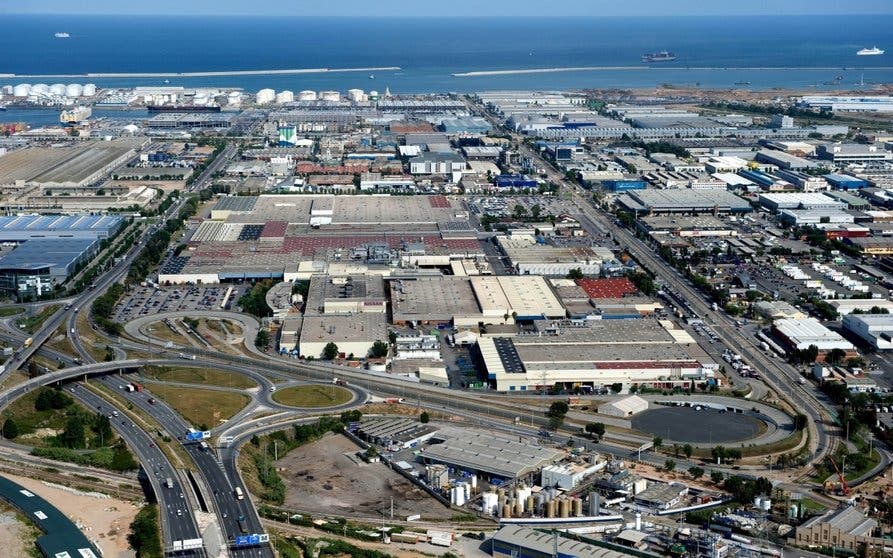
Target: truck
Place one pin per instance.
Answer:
(28, 342)
(764, 345)
(339, 382)
(393, 400)
(184, 356)
(136, 386)
(130, 388)
(238, 492)
(169, 482)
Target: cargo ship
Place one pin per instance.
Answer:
(75, 115)
(662, 56)
(874, 51)
(183, 108)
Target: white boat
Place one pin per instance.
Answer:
(61, 35)
(874, 51)
(371, 76)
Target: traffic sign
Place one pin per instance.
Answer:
(195, 435)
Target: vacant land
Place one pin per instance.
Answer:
(30, 324)
(201, 407)
(200, 376)
(325, 477)
(8, 311)
(312, 396)
(17, 537)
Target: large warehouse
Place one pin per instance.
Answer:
(292, 237)
(49, 249)
(594, 353)
(801, 334)
(684, 201)
(353, 334)
(467, 301)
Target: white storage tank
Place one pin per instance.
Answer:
(307, 95)
(57, 89)
(356, 95)
(7, 90)
(265, 96)
(767, 504)
(330, 96)
(21, 90)
(89, 89)
(40, 89)
(490, 503)
(74, 90)
(285, 97)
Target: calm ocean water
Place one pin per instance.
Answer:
(428, 51)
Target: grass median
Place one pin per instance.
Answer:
(312, 396)
(200, 407)
(199, 376)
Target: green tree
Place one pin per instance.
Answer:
(558, 409)
(536, 211)
(519, 212)
(658, 442)
(74, 435)
(103, 427)
(669, 465)
(330, 351)
(424, 418)
(596, 428)
(10, 429)
(379, 349)
(687, 449)
(717, 477)
(575, 274)
(123, 460)
(835, 356)
(696, 472)
(262, 339)
(144, 537)
(800, 421)
(616, 388)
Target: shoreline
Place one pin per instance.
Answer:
(637, 68)
(223, 73)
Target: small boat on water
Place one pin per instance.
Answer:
(61, 35)
(742, 83)
(874, 51)
(662, 56)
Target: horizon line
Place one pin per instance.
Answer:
(446, 16)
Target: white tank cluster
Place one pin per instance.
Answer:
(357, 95)
(307, 95)
(285, 97)
(333, 96)
(265, 96)
(70, 91)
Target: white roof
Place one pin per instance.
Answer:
(809, 331)
(629, 405)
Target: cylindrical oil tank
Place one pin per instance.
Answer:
(530, 506)
(500, 492)
(518, 510)
(285, 97)
(330, 96)
(307, 95)
(578, 507)
(506, 511)
(89, 89)
(74, 90)
(550, 508)
(564, 508)
(594, 503)
(57, 89)
(40, 89)
(21, 90)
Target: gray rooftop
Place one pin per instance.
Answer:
(543, 544)
(485, 451)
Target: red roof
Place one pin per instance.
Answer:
(607, 288)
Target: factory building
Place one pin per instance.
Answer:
(803, 333)
(841, 153)
(468, 301)
(353, 294)
(49, 249)
(529, 257)
(594, 353)
(799, 200)
(624, 408)
(488, 454)
(437, 163)
(784, 160)
(777, 310)
(684, 201)
(569, 475)
(353, 334)
(845, 182)
(624, 185)
(874, 329)
(512, 541)
(845, 528)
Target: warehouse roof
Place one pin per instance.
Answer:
(62, 537)
(344, 328)
(39, 254)
(689, 200)
(849, 520)
(627, 405)
(488, 452)
(809, 331)
(542, 543)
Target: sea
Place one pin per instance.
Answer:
(758, 52)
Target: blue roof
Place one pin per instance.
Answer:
(42, 253)
(61, 535)
(36, 223)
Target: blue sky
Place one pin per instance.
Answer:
(450, 7)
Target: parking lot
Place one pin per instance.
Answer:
(147, 300)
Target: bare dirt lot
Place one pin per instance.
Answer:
(326, 478)
(16, 537)
(105, 521)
